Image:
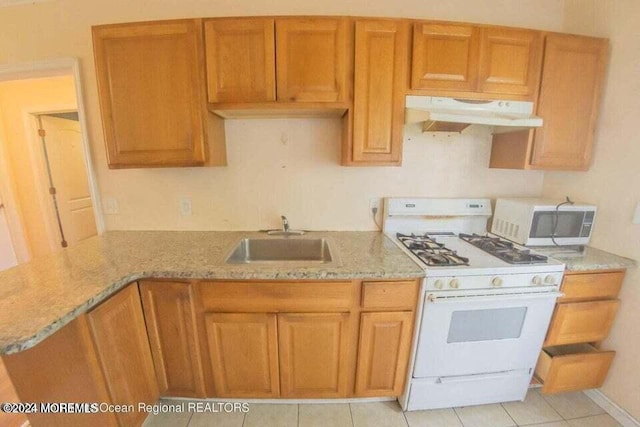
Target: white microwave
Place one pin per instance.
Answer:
(541, 222)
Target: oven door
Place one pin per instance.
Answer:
(482, 334)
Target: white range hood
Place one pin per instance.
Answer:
(440, 114)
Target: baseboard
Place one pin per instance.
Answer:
(620, 415)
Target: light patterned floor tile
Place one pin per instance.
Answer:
(573, 405)
(604, 420)
(433, 418)
(169, 419)
(377, 414)
(218, 419)
(533, 410)
(484, 416)
(553, 424)
(276, 415)
(323, 415)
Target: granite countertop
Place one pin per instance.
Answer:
(589, 259)
(40, 297)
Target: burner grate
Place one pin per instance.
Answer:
(503, 249)
(431, 252)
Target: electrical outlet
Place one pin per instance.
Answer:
(375, 203)
(636, 215)
(110, 206)
(185, 206)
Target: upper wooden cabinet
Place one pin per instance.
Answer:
(475, 61)
(375, 129)
(572, 80)
(510, 61)
(152, 95)
(573, 73)
(312, 59)
(240, 59)
(445, 56)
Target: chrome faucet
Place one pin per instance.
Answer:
(285, 224)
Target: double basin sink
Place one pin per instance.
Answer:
(284, 249)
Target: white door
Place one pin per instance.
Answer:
(7, 254)
(63, 140)
(483, 334)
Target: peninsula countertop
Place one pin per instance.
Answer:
(41, 296)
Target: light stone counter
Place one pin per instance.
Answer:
(590, 259)
(38, 298)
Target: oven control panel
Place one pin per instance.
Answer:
(498, 281)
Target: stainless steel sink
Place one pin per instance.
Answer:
(281, 250)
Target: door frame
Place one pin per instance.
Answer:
(42, 69)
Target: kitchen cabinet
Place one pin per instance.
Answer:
(152, 95)
(475, 62)
(312, 59)
(243, 351)
(571, 359)
(240, 54)
(374, 129)
(383, 353)
(170, 317)
(120, 337)
(569, 97)
(314, 350)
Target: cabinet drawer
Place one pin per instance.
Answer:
(389, 295)
(252, 297)
(583, 287)
(572, 367)
(579, 322)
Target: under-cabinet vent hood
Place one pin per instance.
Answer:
(440, 114)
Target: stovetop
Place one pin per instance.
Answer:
(451, 254)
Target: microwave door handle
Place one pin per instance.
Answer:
(432, 299)
(479, 377)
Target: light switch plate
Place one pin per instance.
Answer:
(110, 206)
(636, 215)
(185, 206)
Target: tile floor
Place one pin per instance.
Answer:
(564, 410)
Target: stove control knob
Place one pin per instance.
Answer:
(496, 282)
(454, 283)
(537, 280)
(438, 284)
(551, 280)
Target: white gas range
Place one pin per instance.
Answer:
(485, 304)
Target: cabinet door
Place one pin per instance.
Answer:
(151, 87)
(445, 57)
(240, 59)
(244, 354)
(510, 61)
(314, 354)
(572, 78)
(580, 322)
(383, 353)
(170, 317)
(378, 108)
(120, 337)
(312, 57)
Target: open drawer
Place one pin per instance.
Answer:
(579, 322)
(572, 367)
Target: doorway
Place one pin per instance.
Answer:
(47, 180)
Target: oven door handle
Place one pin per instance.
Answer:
(433, 299)
(480, 377)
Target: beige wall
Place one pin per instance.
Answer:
(613, 183)
(266, 178)
(23, 156)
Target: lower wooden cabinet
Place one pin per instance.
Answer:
(314, 354)
(579, 322)
(383, 353)
(171, 324)
(120, 338)
(573, 367)
(243, 351)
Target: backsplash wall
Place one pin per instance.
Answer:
(292, 167)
